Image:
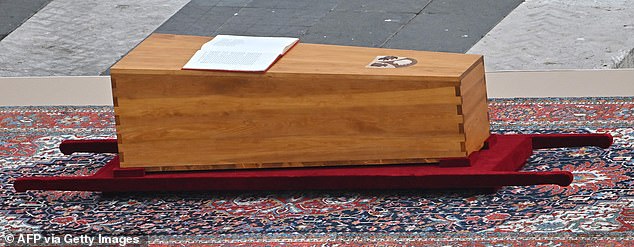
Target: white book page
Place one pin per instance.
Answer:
(277, 45)
(231, 60)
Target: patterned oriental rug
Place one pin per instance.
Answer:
(597, 209)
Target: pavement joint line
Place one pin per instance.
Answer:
(403, 26)
(22, 18)
(221, 25)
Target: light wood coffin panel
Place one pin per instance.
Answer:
(318, 105)
(474, 108)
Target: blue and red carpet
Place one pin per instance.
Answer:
(596, 209)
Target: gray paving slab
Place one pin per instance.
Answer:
(405, 6)
(259, 18)
(294, 4)
(80, 37)
(13, 13)
(406, 24)
(272, 22)
(204, 3)
(203, 21)
(371, 29)
(451, 25)
(560, 34)
(233, 3)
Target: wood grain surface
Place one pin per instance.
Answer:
(318, 105)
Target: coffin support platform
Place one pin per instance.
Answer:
(496, 165)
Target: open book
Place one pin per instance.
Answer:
(240, 53)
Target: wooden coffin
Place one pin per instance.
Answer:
(318, 105)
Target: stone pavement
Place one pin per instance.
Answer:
(447, 25)
(75, 37)
(14, 13)
(80, 37)
(562, 34)
(85, 37)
